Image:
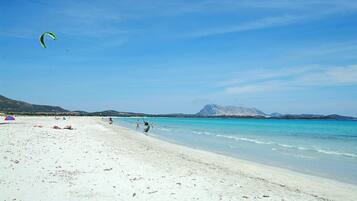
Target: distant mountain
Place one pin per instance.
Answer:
(214, 110)
(339, 117)
(276, 114)
(218, 110)
(13, 106)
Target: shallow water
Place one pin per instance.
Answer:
(325, 148)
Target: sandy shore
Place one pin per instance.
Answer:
(97, 161)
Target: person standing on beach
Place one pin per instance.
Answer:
(147, 127)
(137, 125)
(110, 120)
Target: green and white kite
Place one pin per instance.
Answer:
(42, 38)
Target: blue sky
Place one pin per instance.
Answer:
(169, 56)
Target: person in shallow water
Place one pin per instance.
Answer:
(147, 127)
(137, 125)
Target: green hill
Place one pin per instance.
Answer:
(13, 106)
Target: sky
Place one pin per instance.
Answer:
(175, 56)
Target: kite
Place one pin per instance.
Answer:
(42, 38)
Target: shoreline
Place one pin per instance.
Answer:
(219, 142)
(98, 161)
(292, 169)
(249, 164)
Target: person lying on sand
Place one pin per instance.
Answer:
(38, 126)
(69, 127)
(56, 127)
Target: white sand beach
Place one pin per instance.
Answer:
(98, 161)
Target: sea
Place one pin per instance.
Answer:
(325, 148)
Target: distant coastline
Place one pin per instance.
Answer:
(105, 114)
(15, 107)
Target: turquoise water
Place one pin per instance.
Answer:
(319, 147)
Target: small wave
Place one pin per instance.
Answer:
(232, 137)
(319, 150)
(336, 153)
(285, 145)
(300, 156)
(203, 133)
(277, 144)
(244, 139)
(303, 148)
(304, 157)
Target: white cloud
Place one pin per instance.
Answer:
(327, 49)
(105, 18)
(340, 75)
(266, 22)
(261, 75)
(291, 12)
(290, 79)
(254, 88)
(344, 75)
